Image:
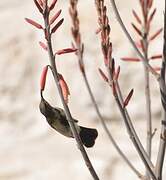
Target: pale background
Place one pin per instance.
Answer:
(29, 148)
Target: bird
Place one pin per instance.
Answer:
(57, 119)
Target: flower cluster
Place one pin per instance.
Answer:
(49, 28)
(142, 27)
(106, 45)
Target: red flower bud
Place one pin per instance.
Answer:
(52, 20)
(33, 23)
(136, 29)
(43, 78)
(66, 50)
(38, 6)
(155, 34)
(43, 45)
(53, 4)
(158, 56)
(57, 26)
(137, 17)
(103, 75)
(132, 59)
(126, 101)
(64, 87)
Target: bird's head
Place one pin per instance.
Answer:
(45, 108)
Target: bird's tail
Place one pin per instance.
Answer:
(88, 136)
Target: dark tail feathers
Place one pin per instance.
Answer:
(88, 136)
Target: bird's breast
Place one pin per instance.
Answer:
(60, 127)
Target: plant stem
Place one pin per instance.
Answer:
(148, 67)
(79, 46)
(134, 132)
(131, 131)
(110, 66)
(148, 116)
(132, 137)
(66, 109)
(161, 152)
(124, 157)
(162, 145)
(145, 44)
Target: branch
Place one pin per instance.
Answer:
(133, 130)
(113, 82)
(145, 44)
(143, 59)
(162, 145)
(79, 46)
(132, 133)
(66, 108)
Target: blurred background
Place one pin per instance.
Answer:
(29, 148)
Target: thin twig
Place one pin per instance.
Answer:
(148, 113)
(133, 136)
(145, 46)
(162, 145)
(162, 148)
(66, 109)
(148, 116)
(147, 84)
(133, 129)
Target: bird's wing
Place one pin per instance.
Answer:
(63, 114)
